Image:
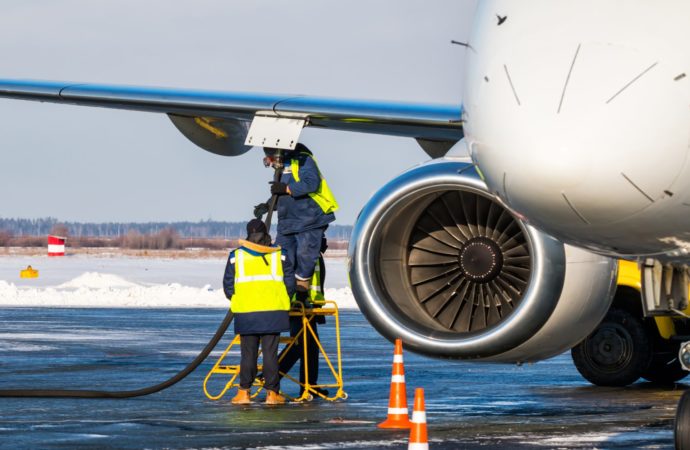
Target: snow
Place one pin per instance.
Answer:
(96, 280)
(133, 287)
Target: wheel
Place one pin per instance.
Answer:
(665, 367)
(616, 353)
(682, 428)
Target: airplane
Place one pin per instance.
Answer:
(576, 124)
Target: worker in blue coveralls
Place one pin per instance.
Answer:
(306, 206)
(259, 294)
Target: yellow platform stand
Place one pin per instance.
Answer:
(325, 308)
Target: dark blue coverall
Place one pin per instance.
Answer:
(301, 221)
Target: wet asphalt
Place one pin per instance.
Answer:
(469, 405)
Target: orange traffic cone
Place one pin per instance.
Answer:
(418, 437)
(397, 405)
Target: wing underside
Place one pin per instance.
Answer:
(218, 121)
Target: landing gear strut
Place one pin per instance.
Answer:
(665, 368)
(617, 353)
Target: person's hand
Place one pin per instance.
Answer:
(260, 210)
(278, 188)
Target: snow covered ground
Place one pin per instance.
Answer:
(113, 282)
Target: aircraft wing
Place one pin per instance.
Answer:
(219, 121)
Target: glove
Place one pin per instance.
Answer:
(260, 210)
(301, 294)
(278, 188)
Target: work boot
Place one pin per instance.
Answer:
(242, 397)
(274, 398)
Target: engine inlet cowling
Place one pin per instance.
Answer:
(438, 261)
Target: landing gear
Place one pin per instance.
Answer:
(617, 353)
(665, 367)
(682, 428)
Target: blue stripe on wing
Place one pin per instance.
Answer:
(439, 122)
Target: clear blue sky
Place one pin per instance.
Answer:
(91, 164)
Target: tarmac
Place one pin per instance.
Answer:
(469, 405)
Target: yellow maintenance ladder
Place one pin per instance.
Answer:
(322, 308)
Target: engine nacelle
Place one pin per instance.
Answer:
(437, 260)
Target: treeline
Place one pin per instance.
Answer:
(42, 227)
(163, 240)
(201, 229)
(139, 236)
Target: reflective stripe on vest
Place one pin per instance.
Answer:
(315, 288)
(259, 286)
(323, 195)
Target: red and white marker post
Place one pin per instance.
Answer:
(56, 246)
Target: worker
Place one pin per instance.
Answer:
(305, 208)
(295, 352)
(259, 297)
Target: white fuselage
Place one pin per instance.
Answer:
(578, 115)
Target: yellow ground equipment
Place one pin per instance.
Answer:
(29, 272)
(325, 308)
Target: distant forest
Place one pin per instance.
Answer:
(201, 229)
(30, 232)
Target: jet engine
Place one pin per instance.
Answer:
(439, 261)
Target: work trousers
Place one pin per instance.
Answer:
(302, 251)
(296, 352)
(249, 351)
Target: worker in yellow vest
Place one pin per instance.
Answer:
(306, 206)
(259, 297)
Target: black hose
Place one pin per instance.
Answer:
(274, 198)
(83, 393)
(79, 393)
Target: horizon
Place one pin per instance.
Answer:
(17, 228)
(59, 221)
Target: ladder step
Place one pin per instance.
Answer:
(226, 369)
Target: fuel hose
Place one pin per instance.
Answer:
(83, 393)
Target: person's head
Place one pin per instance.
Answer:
(272, 155)
(270, 151)
(257, 233)
(301, 148)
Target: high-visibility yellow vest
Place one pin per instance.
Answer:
(323, 195)
(315, 292)
(259, 283)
